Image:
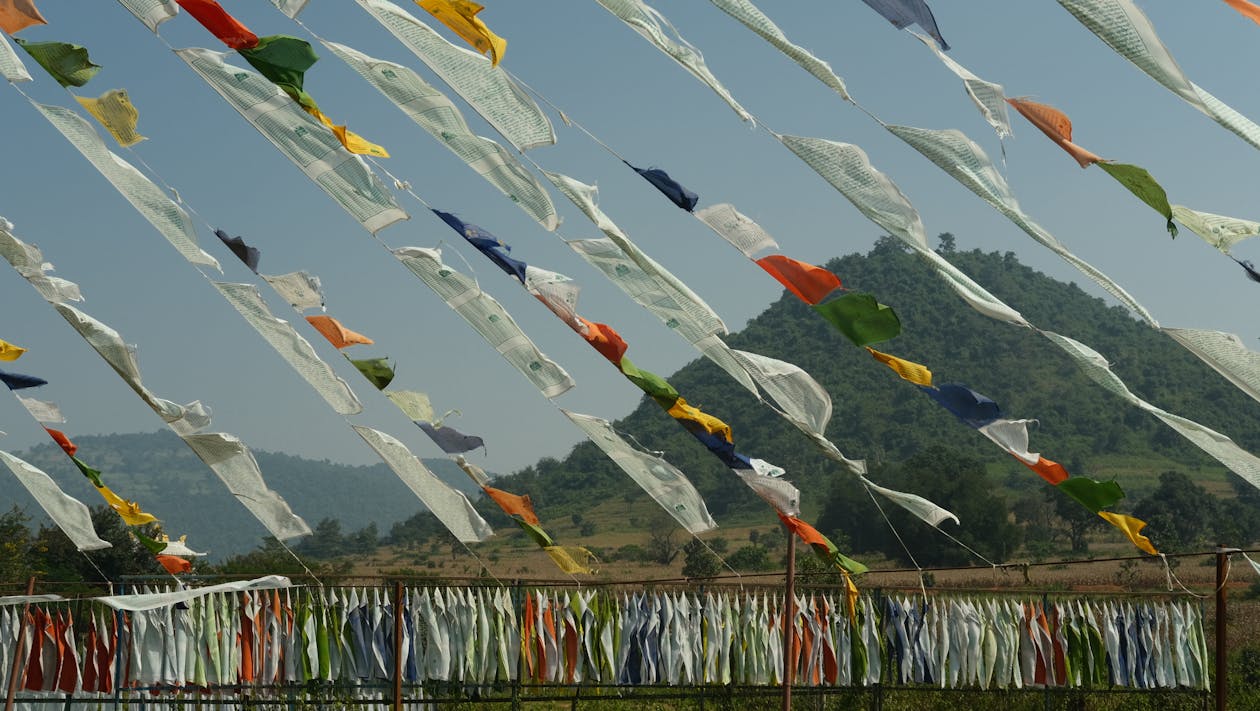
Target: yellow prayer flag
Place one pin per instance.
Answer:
(461, 17)
(8, 351)
(128, 510)
(563, 557)
(116, 113)
(682, 411)
(352, 141)
(1131, 527)
(915, 373)
(850, 596)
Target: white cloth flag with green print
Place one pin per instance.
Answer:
(151, 12)
(70, 514)
(302, 139)
(11, 68)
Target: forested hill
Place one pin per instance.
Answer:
(882, 418)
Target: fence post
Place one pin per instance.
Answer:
(516, 680)
(17, 649)
(398, 650)
(1222, 646)
(789, 612)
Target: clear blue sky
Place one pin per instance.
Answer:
(192, 345)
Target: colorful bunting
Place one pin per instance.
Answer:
(338, 335)
(10, 352)
(1142, 184)
(1057, 127)
(461, 17)
(670, 188)
(115, 112)
(67, 63)
(248, 255)
(376, 370)
(809, 283)
(214, 18)
(17, 15)
(860, 318)
(903, 13)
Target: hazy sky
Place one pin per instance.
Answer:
(192, 345)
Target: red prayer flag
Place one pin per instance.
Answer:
(60, 438)
(213, 17)
(811, 284)
(513, 505)
(604, 339)
(174, 564)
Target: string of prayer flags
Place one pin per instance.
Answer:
(903, 13)
(71, 515)
(670, 188)
(1057, 127)
(1249, 10)
(1129, 32)
(10, 352)
(248, 255)
(338, 335)
(17, 15)
(116, 113)
(214, 18)
(461, 17)
(376, 370)
(67, 63)
(1143, 185)
(487, 88)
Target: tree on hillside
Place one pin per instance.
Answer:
(943, 475)
(15, 545)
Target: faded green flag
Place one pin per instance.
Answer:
(1142, 184)
(1093, 495)
(283, 60)
(650, 383)
(536, 533)
(67, 63)
(376, 370)
(93, 475)
(861, 318)
(154, 546)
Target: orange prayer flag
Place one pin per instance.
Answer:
(805, 532)
(174, 565)
(604, 339)
(1057, 127)
(61, 439)
(17, 15)
(1048, 469)
(1132, 528)
(811, 284)
(512, 504)
(1249, 10)
(338, 335)
(214, 18)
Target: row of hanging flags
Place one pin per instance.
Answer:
(283, 60)
(238, 638)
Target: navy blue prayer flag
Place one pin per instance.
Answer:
(17, 381)
(903, 13)
(966, 404)
(451, 440)
(494, 248)
(247, 254)
(670, 188)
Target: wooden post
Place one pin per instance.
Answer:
(16, 669)
(1222, 648)
(398, 646)
(789, 614)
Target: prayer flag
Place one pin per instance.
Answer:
(1248, 267)
(692, 417)
(860, 318)
(1057, 127)
(248, 255)
(129, 511)
(283, 60)
(565, 558)
(1142, 184)
(966, 404)
(376, 370)
(67, 63)
(173, 564)
(17, 381)
(1247, 9)
(915, 373)
(154, 546)
(62, 440)
(494, 248)
(670, 188)
(350, 140)
(17, 15)
(214, 18)
(461, 17)
(92, 475)
(604, 339)
(449, 439)
(903, 13)
(338, 335)
(535, 532)
(1132, 527)
(512, 504)
(1093, 495)
(651, 383)
(821, 544)
(809, 283)
(8, 351)
(116, 113)
(1049, 470)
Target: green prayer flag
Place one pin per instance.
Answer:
(376, 370)
(861, 318)
(92, 475)
(535, 532)
(154, 547)
(1142, 184)
(283, 60)
(67, 63)
(1093, 495)
(650, 383)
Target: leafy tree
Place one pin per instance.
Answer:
(946, 242)
(752, 557)
(699, 561)
(15, 546)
